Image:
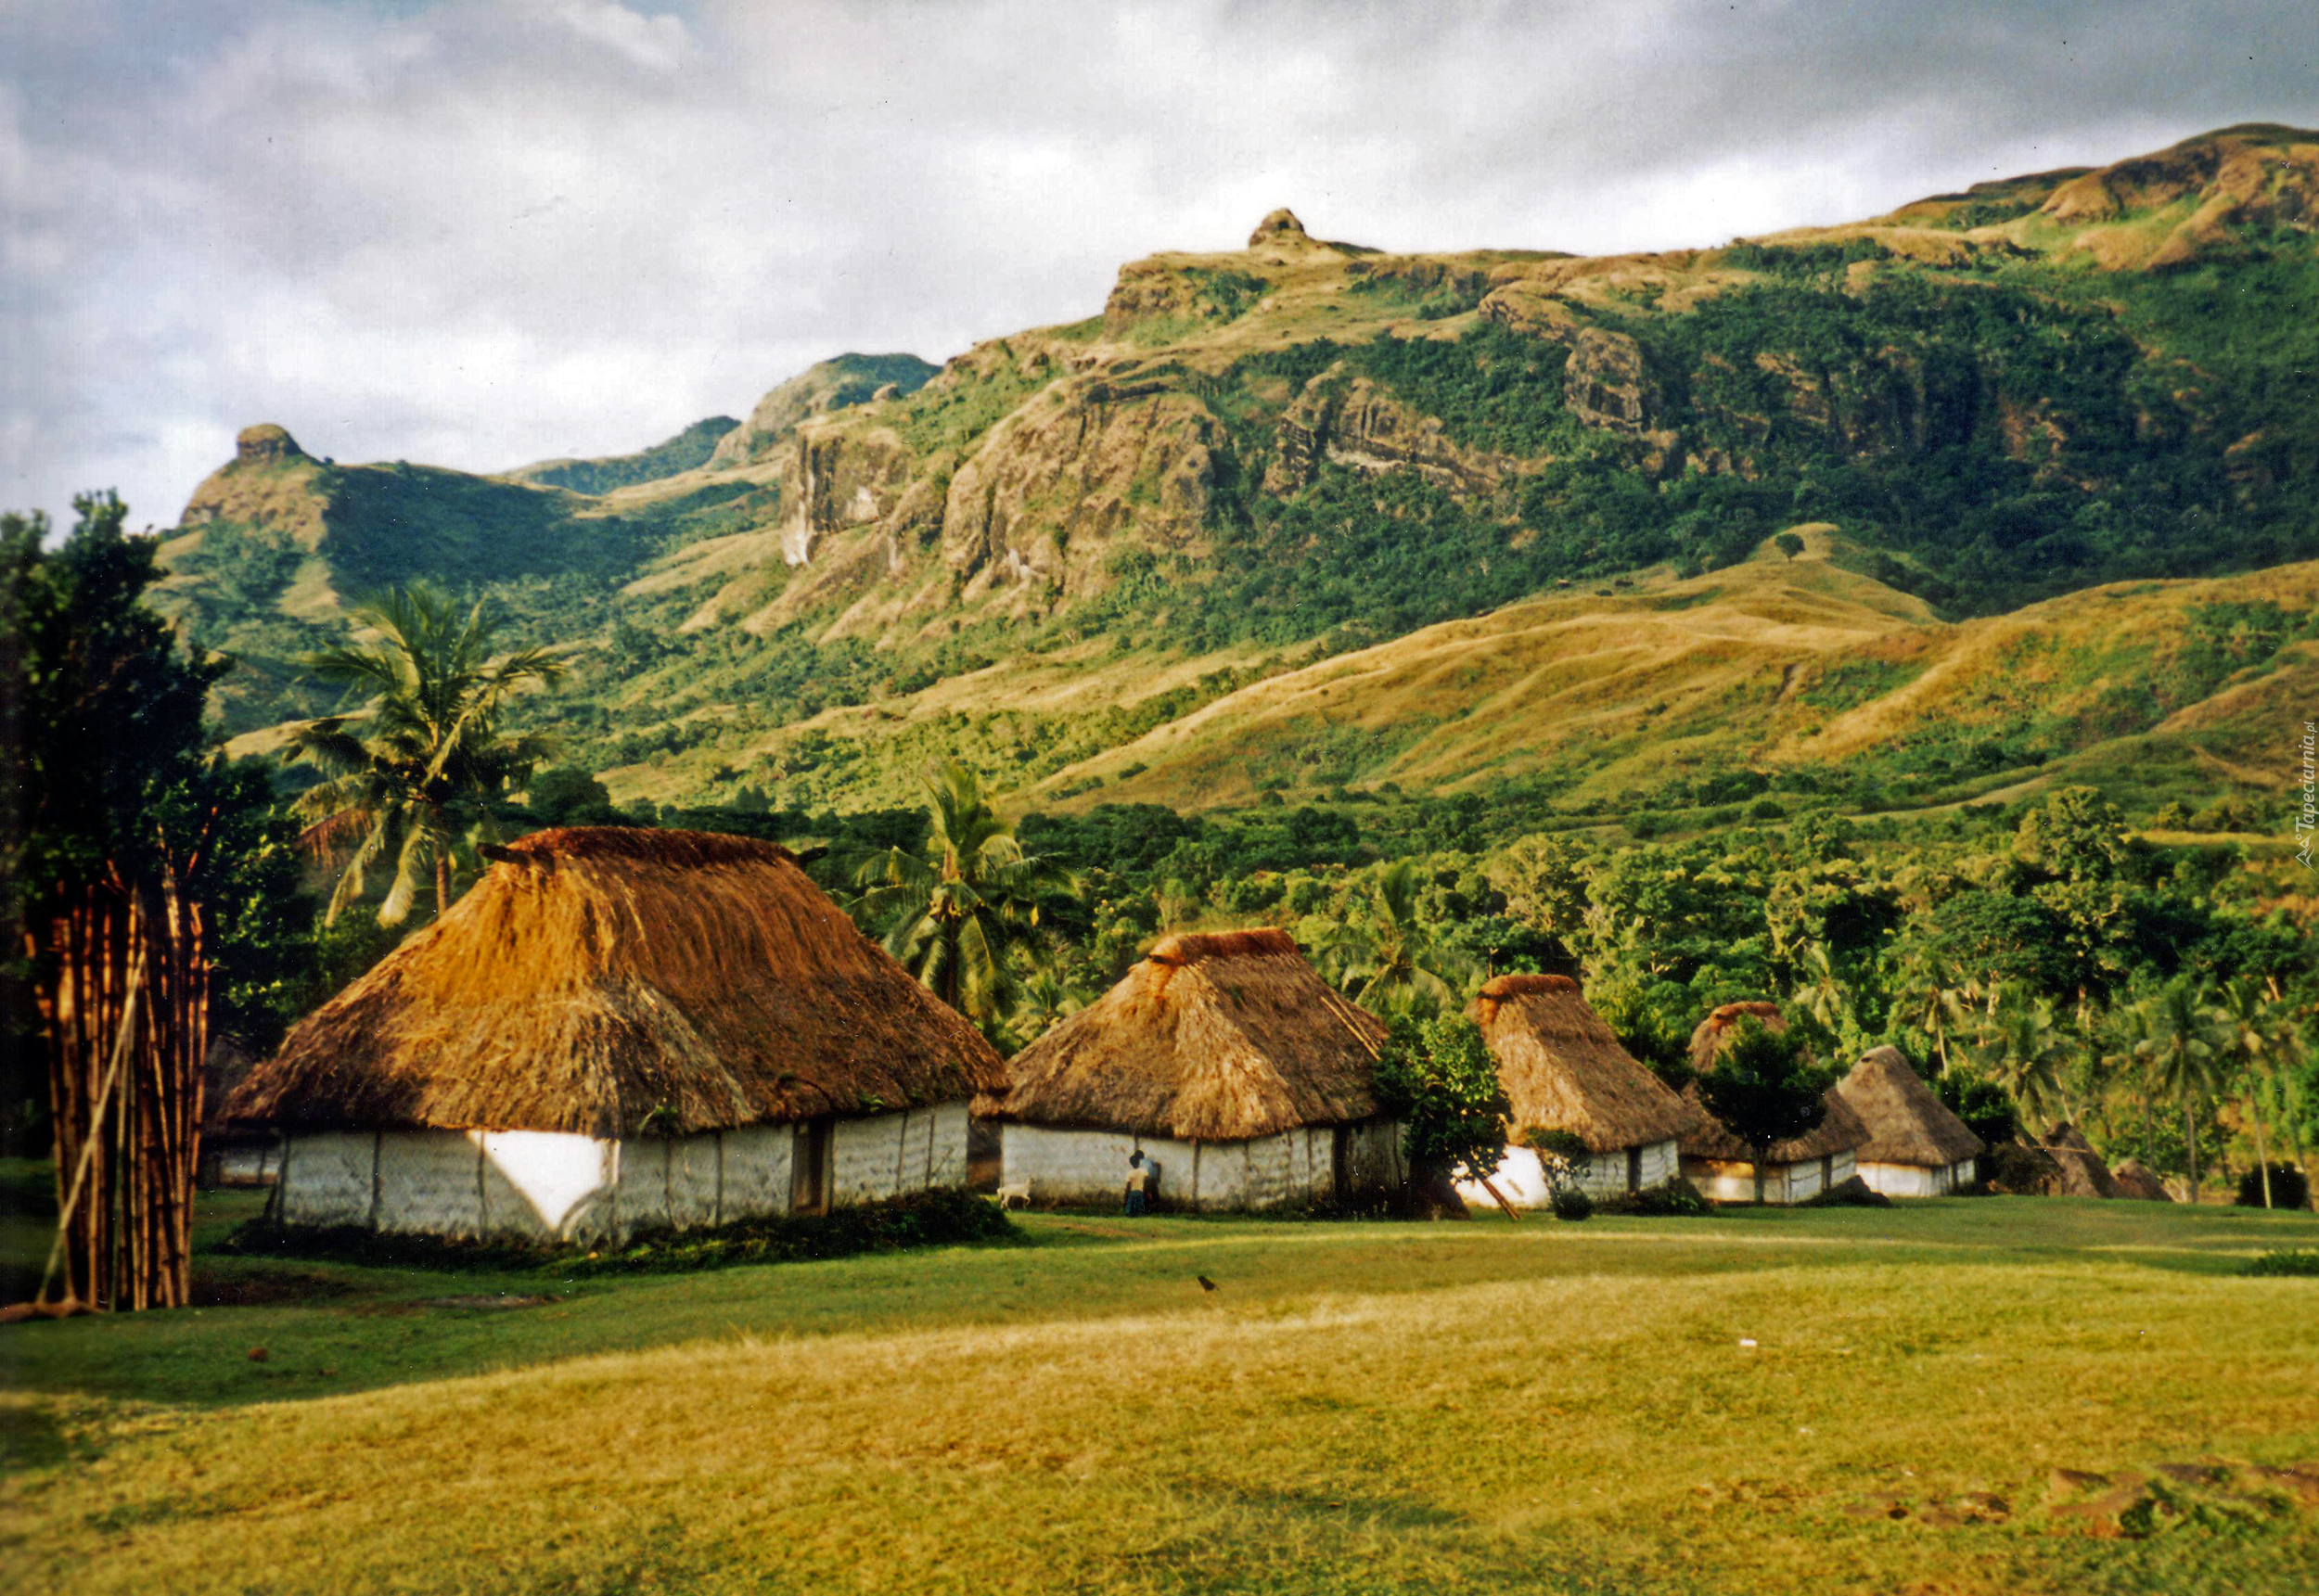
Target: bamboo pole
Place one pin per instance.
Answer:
(90, 1143)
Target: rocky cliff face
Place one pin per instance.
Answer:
(832, 385)
(1350, 421)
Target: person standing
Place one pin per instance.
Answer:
(1138, 1185)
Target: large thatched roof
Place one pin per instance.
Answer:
(1214, 1036)
(1563, 1070)
(1907, 1123)
(600, 973)
(1839, 1130)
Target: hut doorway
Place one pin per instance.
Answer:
(1340, 1143)
(809, 1183)
(1634, 1168)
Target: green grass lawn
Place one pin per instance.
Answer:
(1357, 1407)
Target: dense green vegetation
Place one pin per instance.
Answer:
(687, 451)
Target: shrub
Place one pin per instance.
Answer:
(2290, 1188)
(929, 1219)
(1855, 1192)
(1572, 1202)
(1676, 1199)
(2286, 1260)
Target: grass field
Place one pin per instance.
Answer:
(1357, 1407)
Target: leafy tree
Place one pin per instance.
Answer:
(2184, 1062)
(429, 758)
(1437, 1078)
(568, 796)
(960, 908)
(1983, 1104)
(2020, 1048)
(1388, 953)
(1764, 1090)
(2253, 1032)
(1789, 543)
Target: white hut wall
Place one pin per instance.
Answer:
(889, 1155)
(1916, 1180)
(1298, 1165)
(543, 1185)
(1521, 1179)
(758, 1160)
(325, 1179)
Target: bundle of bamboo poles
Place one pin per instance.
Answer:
(125, 1007)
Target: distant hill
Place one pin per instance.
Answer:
(688, 450)
(1309, 515)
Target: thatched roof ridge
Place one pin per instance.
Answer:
(1563, 1070)
(2137, 1179)
(1907, 1123)
(1214, 1036)
(598, 976)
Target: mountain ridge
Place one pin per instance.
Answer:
(1252, 461)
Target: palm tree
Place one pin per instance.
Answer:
(1928, 1002)
(1820, 989)
(429, 758)
(2127, 1042)
(2252, 1032)
(1043, 999)
(2184, 1056)
(956, 910)
(2020, 1049)
(1388, 954)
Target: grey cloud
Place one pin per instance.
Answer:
(481, 234)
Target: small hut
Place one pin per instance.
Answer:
(1562, 1069)
(2082, 1172)
(1221, 1056)
(617, 1031)
(1915, 1147)
(1723, 1167)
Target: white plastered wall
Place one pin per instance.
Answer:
(1298, 1165)
(1521, 1179)
(1916, 1180)
(1799, 1182)
(553, 1185)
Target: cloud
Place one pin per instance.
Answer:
(479, 234)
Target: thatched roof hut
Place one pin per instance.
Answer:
(1563, 1070)
(1907, 1123)
(600, 977)
(1213, 1037)
(2139, 1181)
(2082, 1172)
(1840, 1131)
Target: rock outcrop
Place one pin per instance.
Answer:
(1351, 421)
(831, 385)
(266, 444)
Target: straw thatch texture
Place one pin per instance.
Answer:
(1214, 1036)
(2139, 1181)
(2082, 1172)
(1563, 1070)
(600, 975)
(1907, 1123)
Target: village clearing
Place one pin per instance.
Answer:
(1844, 1399)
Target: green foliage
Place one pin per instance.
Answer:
(687, 451)
(429, 760)
(930, 1219)
(1437, 1078)
(2290, 1187)
(1762, 1088)
(2285, 1261)
(1570, 1203)
(1981, 1104)
(1674, 1199)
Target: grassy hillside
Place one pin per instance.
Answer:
(1309, 514)
(1357, 1407)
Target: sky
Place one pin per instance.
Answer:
(495, 231)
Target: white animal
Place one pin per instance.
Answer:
(1014, 1196)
